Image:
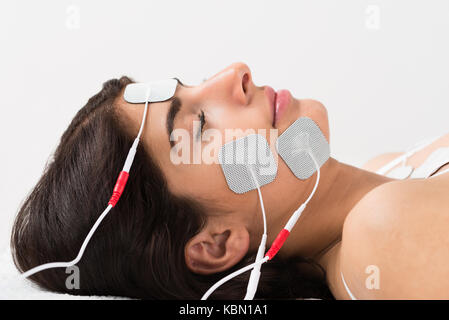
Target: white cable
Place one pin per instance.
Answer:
(317, 166)
(232, 275)
(297, 214)
(255, 273)
(132, 152)
(260, 200)
(78, 257)
(126, 167)
(144, 113)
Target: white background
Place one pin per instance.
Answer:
(380, 67)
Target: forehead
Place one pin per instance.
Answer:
(154, 135)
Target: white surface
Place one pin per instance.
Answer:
(14, 287)
(379, 66)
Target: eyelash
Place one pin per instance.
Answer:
(202, 120)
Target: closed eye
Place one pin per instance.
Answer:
(202, 119)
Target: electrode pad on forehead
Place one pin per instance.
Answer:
(293, 146)
(238, 157)
(159, 91)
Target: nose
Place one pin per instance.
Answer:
(235, 81)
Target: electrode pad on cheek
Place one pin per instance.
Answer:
(239, 157)
(295, 143)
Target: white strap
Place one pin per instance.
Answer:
(406, 155)
(436, 160)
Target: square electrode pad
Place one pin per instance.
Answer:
(238, 157)
(293, 146)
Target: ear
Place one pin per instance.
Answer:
(216, 249)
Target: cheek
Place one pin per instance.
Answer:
(198, 181)
(209, 180)
(230, 120)
(207, 184)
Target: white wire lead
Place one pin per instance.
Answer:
(126, 167)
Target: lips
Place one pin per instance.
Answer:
(283, 98)
(278, 102)
(271, 95)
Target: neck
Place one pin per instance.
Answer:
(320, 227)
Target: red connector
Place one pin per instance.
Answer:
(119, 187)
(277, 243)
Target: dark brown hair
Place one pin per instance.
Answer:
(138, 250)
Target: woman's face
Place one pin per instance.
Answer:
(228, 100)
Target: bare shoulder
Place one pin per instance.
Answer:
(395, 241)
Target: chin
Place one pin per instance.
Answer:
(310, 108)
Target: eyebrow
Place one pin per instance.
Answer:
(173, 110)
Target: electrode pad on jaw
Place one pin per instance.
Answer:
(238, 157)
(294, 144)
(159, 91)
